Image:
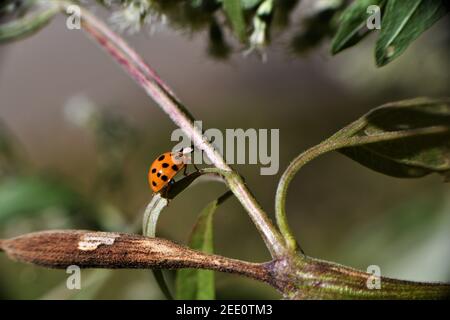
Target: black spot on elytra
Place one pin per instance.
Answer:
(154, 183)
(158, 174)
(174, 167)
(164, 178)
(165, 165)
(153, 170)
(161, 158)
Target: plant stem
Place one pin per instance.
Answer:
(317, 279)
(163, 96)
(335, 142)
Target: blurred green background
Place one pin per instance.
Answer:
(77, 137)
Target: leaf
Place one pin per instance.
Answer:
(28, 24)
(234, 12)
(405, 157)
(248, 4)
(30, 195)
(151, 215)
(403, 22)
(194, 283)
(352, 25)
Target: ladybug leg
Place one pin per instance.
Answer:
(166, 191)
(185, 171)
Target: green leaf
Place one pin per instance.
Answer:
(248, 4)
(234, 12)
(412, 156)
(194, 283)
(151, 215)
(402, 23)
(30, 195)
(159, 202)
(28, 24)
(352, 25)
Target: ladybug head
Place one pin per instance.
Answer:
(183, 155)
(187, 150)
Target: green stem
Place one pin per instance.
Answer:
(317, 279)
(337, 141)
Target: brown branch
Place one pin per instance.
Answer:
(303, 278)
(89, 249)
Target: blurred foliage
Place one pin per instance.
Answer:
(32, 195)
(402, 238)
(115, 139)
(251, 22)
(31, 199)
(21, 18)
(352, 26)
(25, 191)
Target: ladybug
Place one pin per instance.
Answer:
(165, 168)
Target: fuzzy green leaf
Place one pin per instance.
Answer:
(199, 284)
(403, 22)
(409, 157)
(195, 283)
(235, 14)
(248, 4)
(28, 24)
(352, 25)
(151, 215)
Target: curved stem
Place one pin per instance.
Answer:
(336, 142)
(281, 193)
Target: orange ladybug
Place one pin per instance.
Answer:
(166, 167)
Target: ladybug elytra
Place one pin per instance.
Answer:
(166, 167)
